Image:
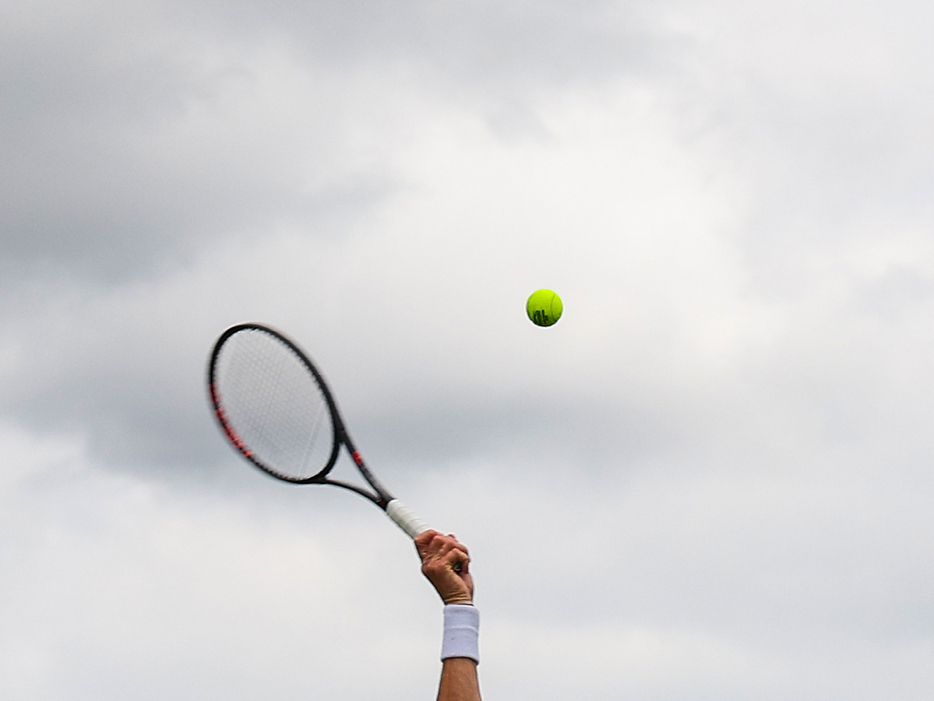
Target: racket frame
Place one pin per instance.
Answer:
(380, 496)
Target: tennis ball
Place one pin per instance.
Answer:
(544, 308)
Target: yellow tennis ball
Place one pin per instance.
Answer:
(544, 308)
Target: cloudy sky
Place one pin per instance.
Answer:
(711, 480)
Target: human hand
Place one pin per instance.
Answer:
(445, 563)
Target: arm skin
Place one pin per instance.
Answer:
(459, 680)
(446, 564)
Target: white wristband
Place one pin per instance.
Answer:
(461, 632)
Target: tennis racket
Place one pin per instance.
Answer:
(275, 408)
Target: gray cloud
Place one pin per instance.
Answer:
(514, 44)
(120, 158)
(133, 137)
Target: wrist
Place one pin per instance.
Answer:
(458, 601)
(461, 632)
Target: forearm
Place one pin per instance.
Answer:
(445, 562)
(459, 680)
(460, 651)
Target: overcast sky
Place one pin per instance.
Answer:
(712, 479)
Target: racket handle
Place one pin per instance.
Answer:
(405, 519)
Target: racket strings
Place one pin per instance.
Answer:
(274, 405)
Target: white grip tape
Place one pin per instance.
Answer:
(461, 632)
(405, 519)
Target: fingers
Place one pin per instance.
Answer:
(423, 540)
(458, 561)
(445, 563)
(433, 545)
(445, 557)
(448, 555)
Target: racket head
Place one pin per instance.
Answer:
(273, 404)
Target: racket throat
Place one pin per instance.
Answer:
(378, 499)
(382, 497)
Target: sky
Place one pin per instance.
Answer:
(710, 480)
